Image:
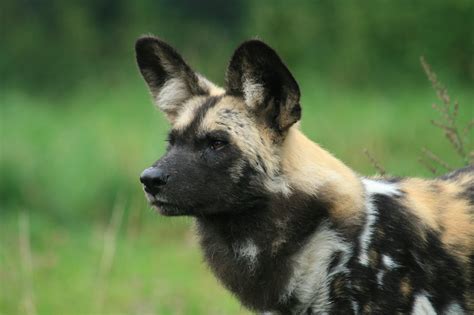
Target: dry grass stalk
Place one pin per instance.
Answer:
(467, 129)
(108, 252)
(448, 121)
(28, 300)
(433, 157)
(375, 163)
(427, 164)
(135, 218)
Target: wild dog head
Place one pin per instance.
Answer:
(224, 144)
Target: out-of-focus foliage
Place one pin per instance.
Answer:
(53, 45)
(357, 42)
(77, 127)
(56, 44)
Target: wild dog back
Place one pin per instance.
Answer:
(415, 252)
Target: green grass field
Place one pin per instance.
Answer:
(67, 161)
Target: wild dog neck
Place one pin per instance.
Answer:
(311, 170)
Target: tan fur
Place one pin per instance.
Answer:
(214, 120)
(175, 100)
(405, 287)
(374, 258)
(213, 89)
(171, 96)
(300, 163)
(187, 112)
(246, 134)
(311, 169)
(438, 203)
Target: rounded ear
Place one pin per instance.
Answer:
(257, 74)
(170, 80)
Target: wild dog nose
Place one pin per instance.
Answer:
(153, 178)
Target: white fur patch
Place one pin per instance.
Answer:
(278, 185)
(355, 306)
(453, 309)
(365, 238)
(187, 112)
(247, 251)
(380, 187)
(209, 86)
(253, 92)
(380, 275)
(310, 282)
(173, 93)
(372, 187)
(422, 305)
(388, 262)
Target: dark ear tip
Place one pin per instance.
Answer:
(146, 41)
(254, 42)
(254, 45)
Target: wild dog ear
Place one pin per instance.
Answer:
(257, 74)
(170, 79)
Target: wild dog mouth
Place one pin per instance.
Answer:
(167, 208)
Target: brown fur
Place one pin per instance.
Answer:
(311, 169)
(439, 205)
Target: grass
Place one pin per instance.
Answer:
(66, 161)
(155, 271)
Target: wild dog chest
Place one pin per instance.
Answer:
(263, 257)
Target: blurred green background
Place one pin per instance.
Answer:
(78, 127)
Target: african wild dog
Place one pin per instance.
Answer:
(284, 225)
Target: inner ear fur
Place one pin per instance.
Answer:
(170, 80)
(257, 74)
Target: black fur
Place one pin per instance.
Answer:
(261, 288)
(468, 192)
(420, 257)
(151, 55)
(455, 174)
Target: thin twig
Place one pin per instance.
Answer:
(374, 162)
(433, 157)
(28, 301)
(427, 165)
(468, 128)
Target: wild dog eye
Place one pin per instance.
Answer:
(217, 144)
